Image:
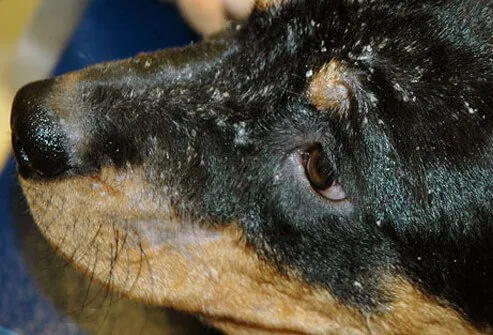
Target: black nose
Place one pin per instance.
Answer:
(37, 138)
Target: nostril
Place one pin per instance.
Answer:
(20, 153)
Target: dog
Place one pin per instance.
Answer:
(324, 168)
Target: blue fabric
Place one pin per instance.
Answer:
(115, 29)
(22, 307)
(110, 29)
(4, 331)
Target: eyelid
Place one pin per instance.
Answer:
(334, 193)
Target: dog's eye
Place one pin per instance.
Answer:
(321, 175)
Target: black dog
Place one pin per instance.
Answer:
(327, 168)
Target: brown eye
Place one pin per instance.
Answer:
(318, 170)
(321, 175)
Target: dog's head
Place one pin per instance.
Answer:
(325, 168)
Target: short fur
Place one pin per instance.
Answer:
(213, 137)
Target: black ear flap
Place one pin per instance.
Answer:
(330, 89)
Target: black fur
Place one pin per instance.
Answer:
(223, 122)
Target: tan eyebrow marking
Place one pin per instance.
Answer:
(330, 88)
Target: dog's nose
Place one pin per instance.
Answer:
(37, 138)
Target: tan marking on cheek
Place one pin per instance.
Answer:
(412, 312)
(330, 89)
(116, 228)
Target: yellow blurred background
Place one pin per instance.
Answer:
(14, 17)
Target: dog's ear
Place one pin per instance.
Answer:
(332, 88)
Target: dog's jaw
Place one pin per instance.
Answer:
(326, 270)
(153, 255)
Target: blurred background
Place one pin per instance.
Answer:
(14, 17)
(39, 292)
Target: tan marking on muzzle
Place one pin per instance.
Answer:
(330, 89)
(119, 229)
(413, 312)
